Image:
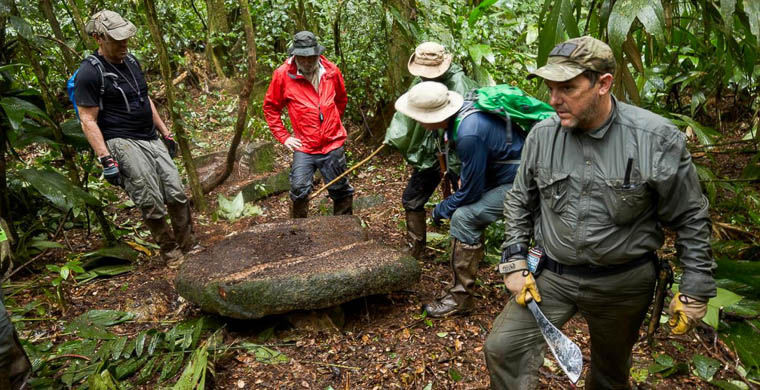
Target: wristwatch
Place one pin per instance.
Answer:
(513, 259)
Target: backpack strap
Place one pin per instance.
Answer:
(95, 61)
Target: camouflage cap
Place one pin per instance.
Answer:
(112, 24)
(572, 57)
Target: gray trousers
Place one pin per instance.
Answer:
(331, 165)
(614, 307)
(150, 176)
(470, 221)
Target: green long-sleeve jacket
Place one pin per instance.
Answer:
(417, 145)
(570, 193)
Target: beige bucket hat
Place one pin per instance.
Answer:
(112, 24)
(429, 60)
(429, 102)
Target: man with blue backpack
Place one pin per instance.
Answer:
(488, 142)
(123, 127)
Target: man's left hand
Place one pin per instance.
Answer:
(436, 217)
(171, 145)
(685, 313)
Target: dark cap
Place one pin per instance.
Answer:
(572, 57)
(305, 44)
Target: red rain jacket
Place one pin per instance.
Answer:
(291, 90)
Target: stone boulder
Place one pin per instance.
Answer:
(298, 264)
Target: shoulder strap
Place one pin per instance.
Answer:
(95, 61)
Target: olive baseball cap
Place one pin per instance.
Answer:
(112, 24)
(572, 57)
(305, 44)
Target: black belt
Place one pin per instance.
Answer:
(595, 270)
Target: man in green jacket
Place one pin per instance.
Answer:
(596, 184)
(429, 62)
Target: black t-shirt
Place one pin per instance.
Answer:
(114, 120)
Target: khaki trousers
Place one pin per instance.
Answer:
(614, 307)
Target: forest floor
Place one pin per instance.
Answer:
(383, 341)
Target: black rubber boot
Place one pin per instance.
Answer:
(344, 206)
(300, 208)
(163, 236)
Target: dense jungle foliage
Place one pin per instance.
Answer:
(696, 62)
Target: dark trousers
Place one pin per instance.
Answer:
(614, 307)
(421, 186)
(330, 165)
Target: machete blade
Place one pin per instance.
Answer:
(567, 353)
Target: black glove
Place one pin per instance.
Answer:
(111, 171)
(171, 145)
(436, 218)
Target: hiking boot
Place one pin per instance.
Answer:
(173, 258)
(182, 224)
(458, 298)
(416, 237)
(300, 208)
(344, 206)
(162, 234)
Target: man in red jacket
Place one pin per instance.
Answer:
(312, 89)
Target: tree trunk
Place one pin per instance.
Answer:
(47, 9)
(400, 47)
(79, 23)
(176, 118)
(217, 23)
(5, 206)
(244, 98)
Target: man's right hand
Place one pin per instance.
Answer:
(523, 286)
(293, 143)
(111, 170)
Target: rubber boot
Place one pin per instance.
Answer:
(416, 237)
(458, 298)
(344, 206)
(162, 234)
(182, 224)
(300, 208)
(16, 370)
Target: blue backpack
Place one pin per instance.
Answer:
(103, 77)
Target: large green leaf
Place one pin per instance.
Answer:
(709, 178)
(478, 11)
(705, 367)
(22, 27)
(480, 51)
(58, 189)
(706, 135)
(727, 8)
(194, 375)
(550, 34)
(16, 109)
(263, 354)
(568, 19)
(624, 12)
(752, 9)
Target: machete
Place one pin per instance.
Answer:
(564, 350)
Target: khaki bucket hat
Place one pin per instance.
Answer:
(429, 60)
(112, 24)
(572, 57)
(429, 102)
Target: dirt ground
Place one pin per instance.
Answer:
(382, 342)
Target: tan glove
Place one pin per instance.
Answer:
(523, 286)
(685, 313)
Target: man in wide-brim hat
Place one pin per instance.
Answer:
(312, 89)
(421, 148)
(490, 151)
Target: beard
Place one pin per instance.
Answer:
(307, 68)
(587, 116)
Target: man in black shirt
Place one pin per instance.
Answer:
(122, 125)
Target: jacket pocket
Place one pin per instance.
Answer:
(553, 189)
(625, 204)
